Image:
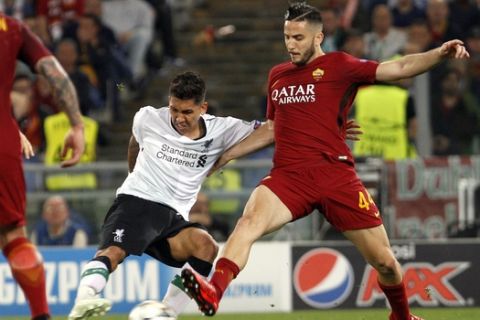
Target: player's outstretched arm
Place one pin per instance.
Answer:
(258, 139)
(415, 64)
(66, 98)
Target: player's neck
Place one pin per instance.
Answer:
(198, 132)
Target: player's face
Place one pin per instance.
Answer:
(186, 114)
(302, 41)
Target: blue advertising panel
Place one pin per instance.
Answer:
(135, 280)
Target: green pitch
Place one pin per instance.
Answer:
(357, 314)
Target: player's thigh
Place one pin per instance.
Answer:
(266, 211)
(192, 241)
(372, 243)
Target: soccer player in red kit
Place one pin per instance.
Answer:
(18, 42)
(309, 99)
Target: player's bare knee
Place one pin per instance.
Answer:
(387, 267)
(205, 247)
(250, 224)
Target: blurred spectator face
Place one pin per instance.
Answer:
(24, 86)
(355, 46)
(93, 7)
(381, 19)
(419, 34)
(451, 84)
(330, 21)
(55, 211)
(67, 54)
(437, 11)
(87, 30)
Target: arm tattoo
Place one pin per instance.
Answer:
(133, 149)
(63, 90)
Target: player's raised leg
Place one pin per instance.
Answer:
(374, 245)
(264, 213)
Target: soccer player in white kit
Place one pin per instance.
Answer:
(170, 154)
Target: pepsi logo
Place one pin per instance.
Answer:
(323, 278)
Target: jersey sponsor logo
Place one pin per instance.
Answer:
(201, 161)
(3, 24)
(294, 94)
(323, 278)
(426, 284)
(317, 74)
(119, 233)
(177, 156)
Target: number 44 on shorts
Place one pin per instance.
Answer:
(365, 200)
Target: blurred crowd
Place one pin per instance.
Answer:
(110, 49)
(384, 29)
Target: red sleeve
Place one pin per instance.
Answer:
(32, 48)
(359, 70)
(42, 7)
(270, 105)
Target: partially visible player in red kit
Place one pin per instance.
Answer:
(309, 99)
(18, 42)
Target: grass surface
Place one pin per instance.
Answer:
(357, 314)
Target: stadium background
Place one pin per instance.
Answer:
(429, 204)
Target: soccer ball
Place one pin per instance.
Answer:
(152, 310)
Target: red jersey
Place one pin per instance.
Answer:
(310, 104)
(16, 42)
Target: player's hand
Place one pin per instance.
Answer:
(75, 141)
(454, 49)
(352, 130)
(27, 148)
(221, 162)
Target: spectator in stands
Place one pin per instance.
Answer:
(53, 15)
(453, 124)
(134, 33)
(165, 35)
(384, 41)
(200, 213)
(18, 9)
(354, 43)
(333, 32)
(57, 228)
(473, 44)
(88, 95)
(441, 28)
(464, 14)
(101, 61)
(419, 34)
(405, 12)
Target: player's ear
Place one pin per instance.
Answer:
(204, 107)
(319, 36)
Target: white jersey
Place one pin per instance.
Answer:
(170, 167)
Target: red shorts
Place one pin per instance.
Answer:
(333, 189)
(12, 192)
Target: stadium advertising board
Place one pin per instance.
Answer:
(265, 283)
(336, 276)
(260, 287)
(423, 194)
(135, 280)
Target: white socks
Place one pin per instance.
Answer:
(93, 280)
(176, 298)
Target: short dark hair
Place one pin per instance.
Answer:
(301, 11)
(188, 85)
